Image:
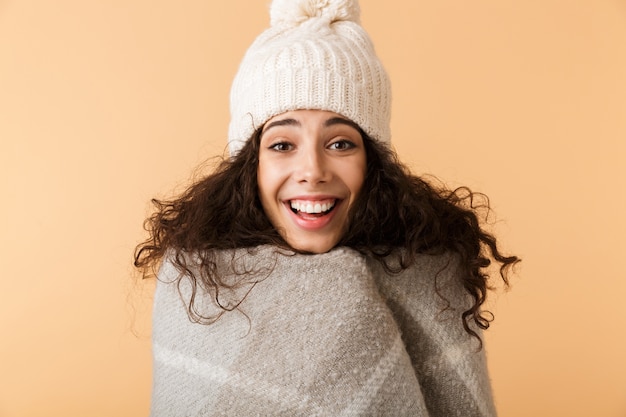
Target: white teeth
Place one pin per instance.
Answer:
(311, 207)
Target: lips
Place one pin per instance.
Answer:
(312, 213)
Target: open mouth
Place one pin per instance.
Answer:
(312, 208)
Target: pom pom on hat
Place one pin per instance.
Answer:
(314, 56)
(294, 12)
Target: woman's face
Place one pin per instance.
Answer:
(311, 168)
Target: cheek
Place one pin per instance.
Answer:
(354, 176)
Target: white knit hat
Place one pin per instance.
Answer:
(315, 55)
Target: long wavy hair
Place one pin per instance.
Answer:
(394, 210)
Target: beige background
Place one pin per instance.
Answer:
(105, 104)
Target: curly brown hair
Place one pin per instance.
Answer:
(395, 209)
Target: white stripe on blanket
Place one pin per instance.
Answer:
(280, 394)
(361, 402)
(456, 356)
(288, 398)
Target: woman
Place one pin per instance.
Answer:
(311, 273)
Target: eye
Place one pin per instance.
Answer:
(341, 145)
(281, 146)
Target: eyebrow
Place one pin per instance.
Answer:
(283, 122)
(330, 122)
(342, 121)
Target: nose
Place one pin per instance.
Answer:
(311, 166)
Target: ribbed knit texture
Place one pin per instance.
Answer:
(321, 335)
(315, 55)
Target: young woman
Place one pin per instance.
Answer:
(311, 273)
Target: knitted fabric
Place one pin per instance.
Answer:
(319, 335)
(315, 55)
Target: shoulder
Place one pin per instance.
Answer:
(433, 281)
(268, 269)
(256, 259)
(444, 268)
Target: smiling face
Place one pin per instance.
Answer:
(311, 168)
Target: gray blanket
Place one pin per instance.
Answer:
(319, 335)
